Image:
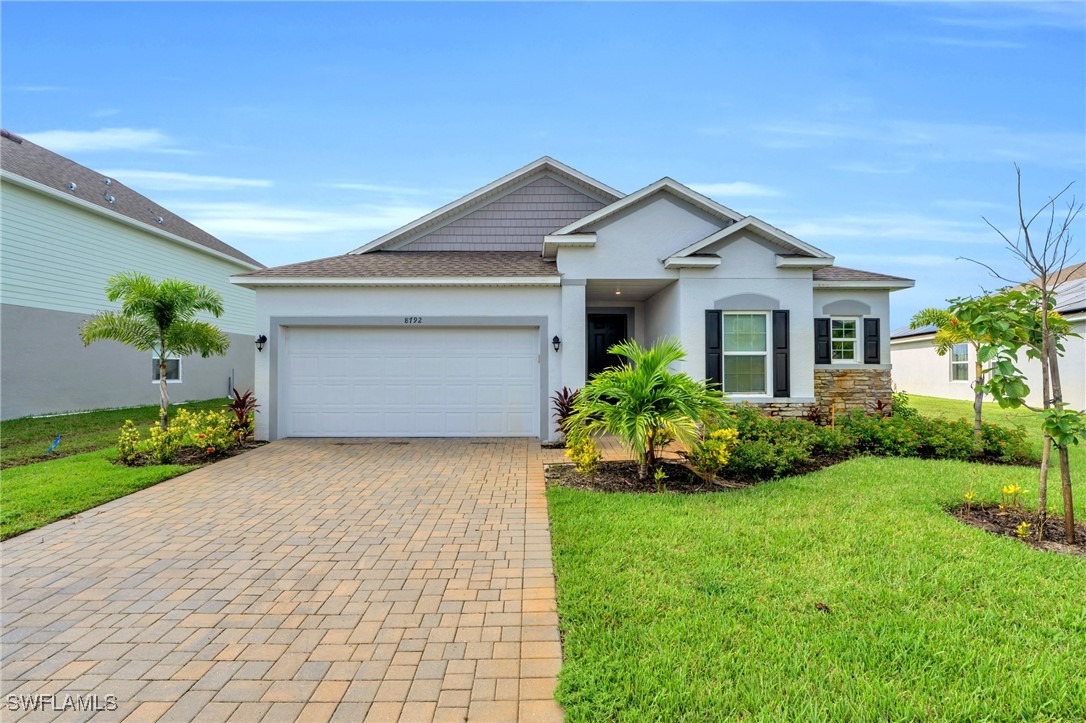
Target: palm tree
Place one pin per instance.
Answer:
(642, 401)
(159, 317)
(950, 331)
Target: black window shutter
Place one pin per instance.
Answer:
(780, 354)
(822, 341)
(871, 341)
(714, 356)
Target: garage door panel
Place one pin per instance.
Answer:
(411, 382)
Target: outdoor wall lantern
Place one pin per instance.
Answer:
(260, 342)
(556, 343)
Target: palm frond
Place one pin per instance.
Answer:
(140, 334)
(184, 338)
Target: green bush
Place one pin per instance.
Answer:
(1010, 444)
(211, 433)
(761, 458)
(945, 438)
(893, 436)
(710, 455)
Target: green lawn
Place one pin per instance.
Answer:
(36, 489)
(24, 440)
(703, 607)
(37, 494)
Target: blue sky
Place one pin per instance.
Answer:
(881, 132)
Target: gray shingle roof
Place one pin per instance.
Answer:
(35, 163)
(840, 273)
(422, 264)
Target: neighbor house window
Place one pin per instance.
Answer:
(173, 370)
(843, 339)
(745, 349)
(959, 363)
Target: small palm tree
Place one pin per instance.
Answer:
(160, 317)
(948, 332)
(643, 401)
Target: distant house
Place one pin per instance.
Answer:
(920, 370)
(465, 321)
(64, 230)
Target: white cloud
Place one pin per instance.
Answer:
(734, 189)
(37, 88)
(378, 188)
(105, 139)
(890, 260)
(259, 220)
(873, 168)
(976, 43)
(934, 141)
(896, 227)
(172, 181)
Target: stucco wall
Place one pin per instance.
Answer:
(47, 369)
(747, 268)
(438, 303)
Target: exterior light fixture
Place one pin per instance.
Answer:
(618, 292)
(556, 343)
(260, 342)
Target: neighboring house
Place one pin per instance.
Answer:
(464, 322)
(64, 230)
(918, 369)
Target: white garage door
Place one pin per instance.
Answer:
(411, 382)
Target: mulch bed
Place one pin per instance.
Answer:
(622, 477)
(191, 455)
(1005, 522)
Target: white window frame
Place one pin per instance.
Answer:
(724, 354)
(180, 372)
(857, 341)
(963, 363)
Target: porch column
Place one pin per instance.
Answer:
(573, 333)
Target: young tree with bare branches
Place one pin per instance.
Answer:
(1047, 259)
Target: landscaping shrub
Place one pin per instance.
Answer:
(1009, 444)
(583, 453)
(710, 456)
(772, 447)
(244, 407)
(761, 458)
(209, 433)
(902, 407)
(890, 436)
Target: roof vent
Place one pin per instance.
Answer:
(107, 181)
(71, 185)
(10, 136)
(109, 198)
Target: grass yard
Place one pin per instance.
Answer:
(24, 440)
(36, 489)
(699, 607)
(37, 494)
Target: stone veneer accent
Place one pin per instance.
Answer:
(789, 410)
(846, 389)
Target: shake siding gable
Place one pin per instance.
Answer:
(56, 256)
(517, 221)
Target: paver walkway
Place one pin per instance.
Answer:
(314, 580)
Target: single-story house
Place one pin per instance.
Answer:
(918, 369)
(465, 321)
(65, 230)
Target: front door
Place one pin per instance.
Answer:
(604, 330)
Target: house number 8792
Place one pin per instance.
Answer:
(412, 320)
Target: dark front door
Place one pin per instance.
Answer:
(604, 330)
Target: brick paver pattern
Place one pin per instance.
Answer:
(308, 579)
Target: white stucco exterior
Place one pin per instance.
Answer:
(918, 369)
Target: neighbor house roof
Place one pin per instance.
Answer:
(64, 177)
(1070, 299)
(495, 189)
(413, 265)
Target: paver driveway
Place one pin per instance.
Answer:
(307, 579)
